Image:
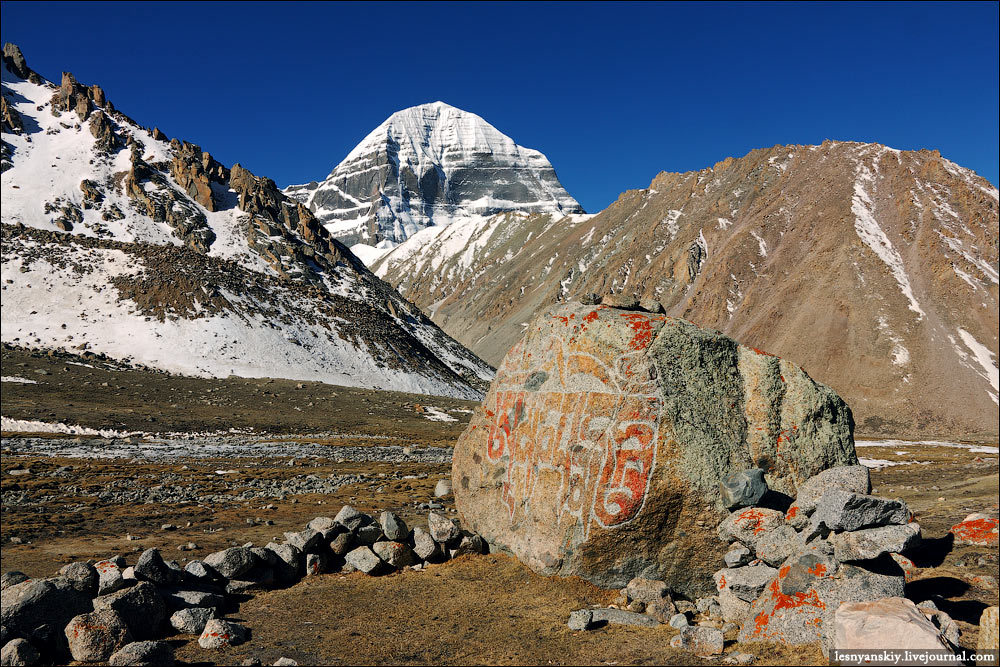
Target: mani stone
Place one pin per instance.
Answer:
(742, 489)
(220, 633)
(599, 448)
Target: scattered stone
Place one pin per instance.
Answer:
(739, 659)
(220, 633)
(95, 636)
(442, 528)
(870, 543)
(647, 590)
(701, 640)
(317, 564)
(285, 662)
(191, 621)
(396, 554)
(363, 559)
(890, 623)
(145, 653)
(744, 488)
(19, 652)
(621, 301)
(621, 617)
(232, 562)
(141, 607)
(109, 577)
(393, 527)
(187, 546)
(443, 488)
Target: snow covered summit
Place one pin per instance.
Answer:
(428, 165)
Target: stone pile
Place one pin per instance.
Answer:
(836, 547)
(108, 611)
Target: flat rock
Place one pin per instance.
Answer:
(854, 479)
(775, 546)
(696, 402)
(979, 532)
(322, 524)
(231, 563)
(886, 624)
(743, 488)
(748, 525)
(185, 598)
(145, 653)
(870, 543)
(220, 633)
(580, 619)
(191, 621)
(746, 582)
(840, 510)
(622, 617)
(95, 636)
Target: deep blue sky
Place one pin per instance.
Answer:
(611, 93)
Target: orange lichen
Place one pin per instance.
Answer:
(643, 329)
(590, 317)
(792, 512)
(980, 532)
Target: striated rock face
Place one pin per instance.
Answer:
(429, 165)
(603, 439)
(890, 258)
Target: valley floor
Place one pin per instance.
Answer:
(89, 497)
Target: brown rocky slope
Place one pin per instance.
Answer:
(872, 268)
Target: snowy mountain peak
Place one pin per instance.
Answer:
(431, 164)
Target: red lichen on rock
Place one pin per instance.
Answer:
(978, 532)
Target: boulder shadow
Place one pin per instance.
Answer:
(775, 500)
(931, 552)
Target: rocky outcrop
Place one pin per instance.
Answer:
(195, 171)
(14, 60)
(103, 130)
(599, 449)
(10, 120)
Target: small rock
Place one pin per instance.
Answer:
(82, 576)
(580, 619)
(220, 633)
(12, 578)
(191, 621)
(854, 479)
(198, 570)
(441, 528)
(748, 524)
(363, 559)
(285, 662)
(775, 546)
(443, 488)
(19, 652)
(307, 541)
(393, 527)
(662, 610)
(146, 653)
(351, 518)
(316, 564)
(109, 577)
(739, 659)
(744, 488)
(702, 640)
(746, 582)
(342, 543)
(396, 554)
(622, 617)
(842, 510)
(678, 621)
(737, 555)
(646, 590)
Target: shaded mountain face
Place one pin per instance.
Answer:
(119, 241)
(430, 165)
(874, 269)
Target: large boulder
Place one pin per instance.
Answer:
(599, 449)
(887, 624)
(37, 602)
